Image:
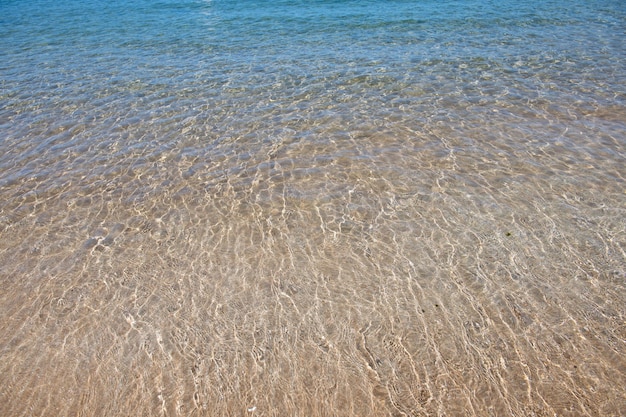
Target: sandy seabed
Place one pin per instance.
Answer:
(308, 280)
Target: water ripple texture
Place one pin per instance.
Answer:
(322, 208)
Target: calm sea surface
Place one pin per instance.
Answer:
(312, 208)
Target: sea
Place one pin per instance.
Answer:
(313, 208)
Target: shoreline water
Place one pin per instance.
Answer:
(324, 209)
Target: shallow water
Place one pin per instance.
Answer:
(312, 208)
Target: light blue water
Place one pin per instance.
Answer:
(312, 207)
(267, 66)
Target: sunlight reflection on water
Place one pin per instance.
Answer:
(336, 208)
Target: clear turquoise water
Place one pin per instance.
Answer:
(312, 207)
(230, 74)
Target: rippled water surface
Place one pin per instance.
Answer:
(312, 208)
